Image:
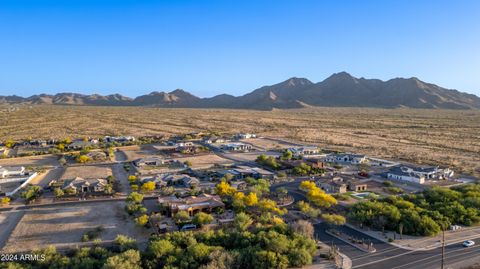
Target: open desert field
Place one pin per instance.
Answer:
(205, 161)
(449, 137)
(31, 161)
(64, 226)
(136, 152)
(87, 171)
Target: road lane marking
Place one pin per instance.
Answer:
(430, 257)
(464, 251)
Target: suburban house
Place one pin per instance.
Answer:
(171, 205)
(243, 171)
(39, 142)
(119, 139)
(403, 174)
(236, 147)
(339, 184)
(315, 163)
(164, 180)
(214, 139)
(334, 185)
(82, 144)
(190, 149)
(356, 185)
(97, 155)
(346, 158)
(245, 136)
(305, 151)
(418, 174)
(81, 185)
(12, 171)
(431, 172)
(152, 161)
(182, 143)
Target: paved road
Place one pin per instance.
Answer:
(388, 256)
(404, 259)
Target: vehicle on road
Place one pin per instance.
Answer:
(468, 243)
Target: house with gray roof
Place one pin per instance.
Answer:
(305, 151)
(402, 173)
(81, 185)
(346, 158)
(164, 180)
(236, 147)
(171, 205)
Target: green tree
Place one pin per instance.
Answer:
(201, 219)
(32, 193)
(129, 259)
(268, 161)
(135, 197)
(308, 210)
(108, 189)
(124, 242)
(287, 155)
(135, 208)
(181, 217)
(429, 227)
(142, 220)
(270, 260)
(161, 248)
(53, 259)
(58, 192)
(242, 221)
(334, 219)
(299, 257)
(302, 169)
(5, 201)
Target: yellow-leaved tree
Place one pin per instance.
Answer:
(224, 189)
(316, 195)
(251, 199)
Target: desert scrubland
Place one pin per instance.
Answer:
(446, 137)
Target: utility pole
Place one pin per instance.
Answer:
(443, 247)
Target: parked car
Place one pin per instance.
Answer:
(455, 227)
(188, 227)
(468, 243)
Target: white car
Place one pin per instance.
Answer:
(188, 227)
(468, 243)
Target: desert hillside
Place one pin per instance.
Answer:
(338, 90)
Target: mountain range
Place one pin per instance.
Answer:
(338, 90)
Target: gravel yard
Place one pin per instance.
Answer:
(63, 226)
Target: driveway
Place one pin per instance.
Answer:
(8, 222)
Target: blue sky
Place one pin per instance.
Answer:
(211, 47)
